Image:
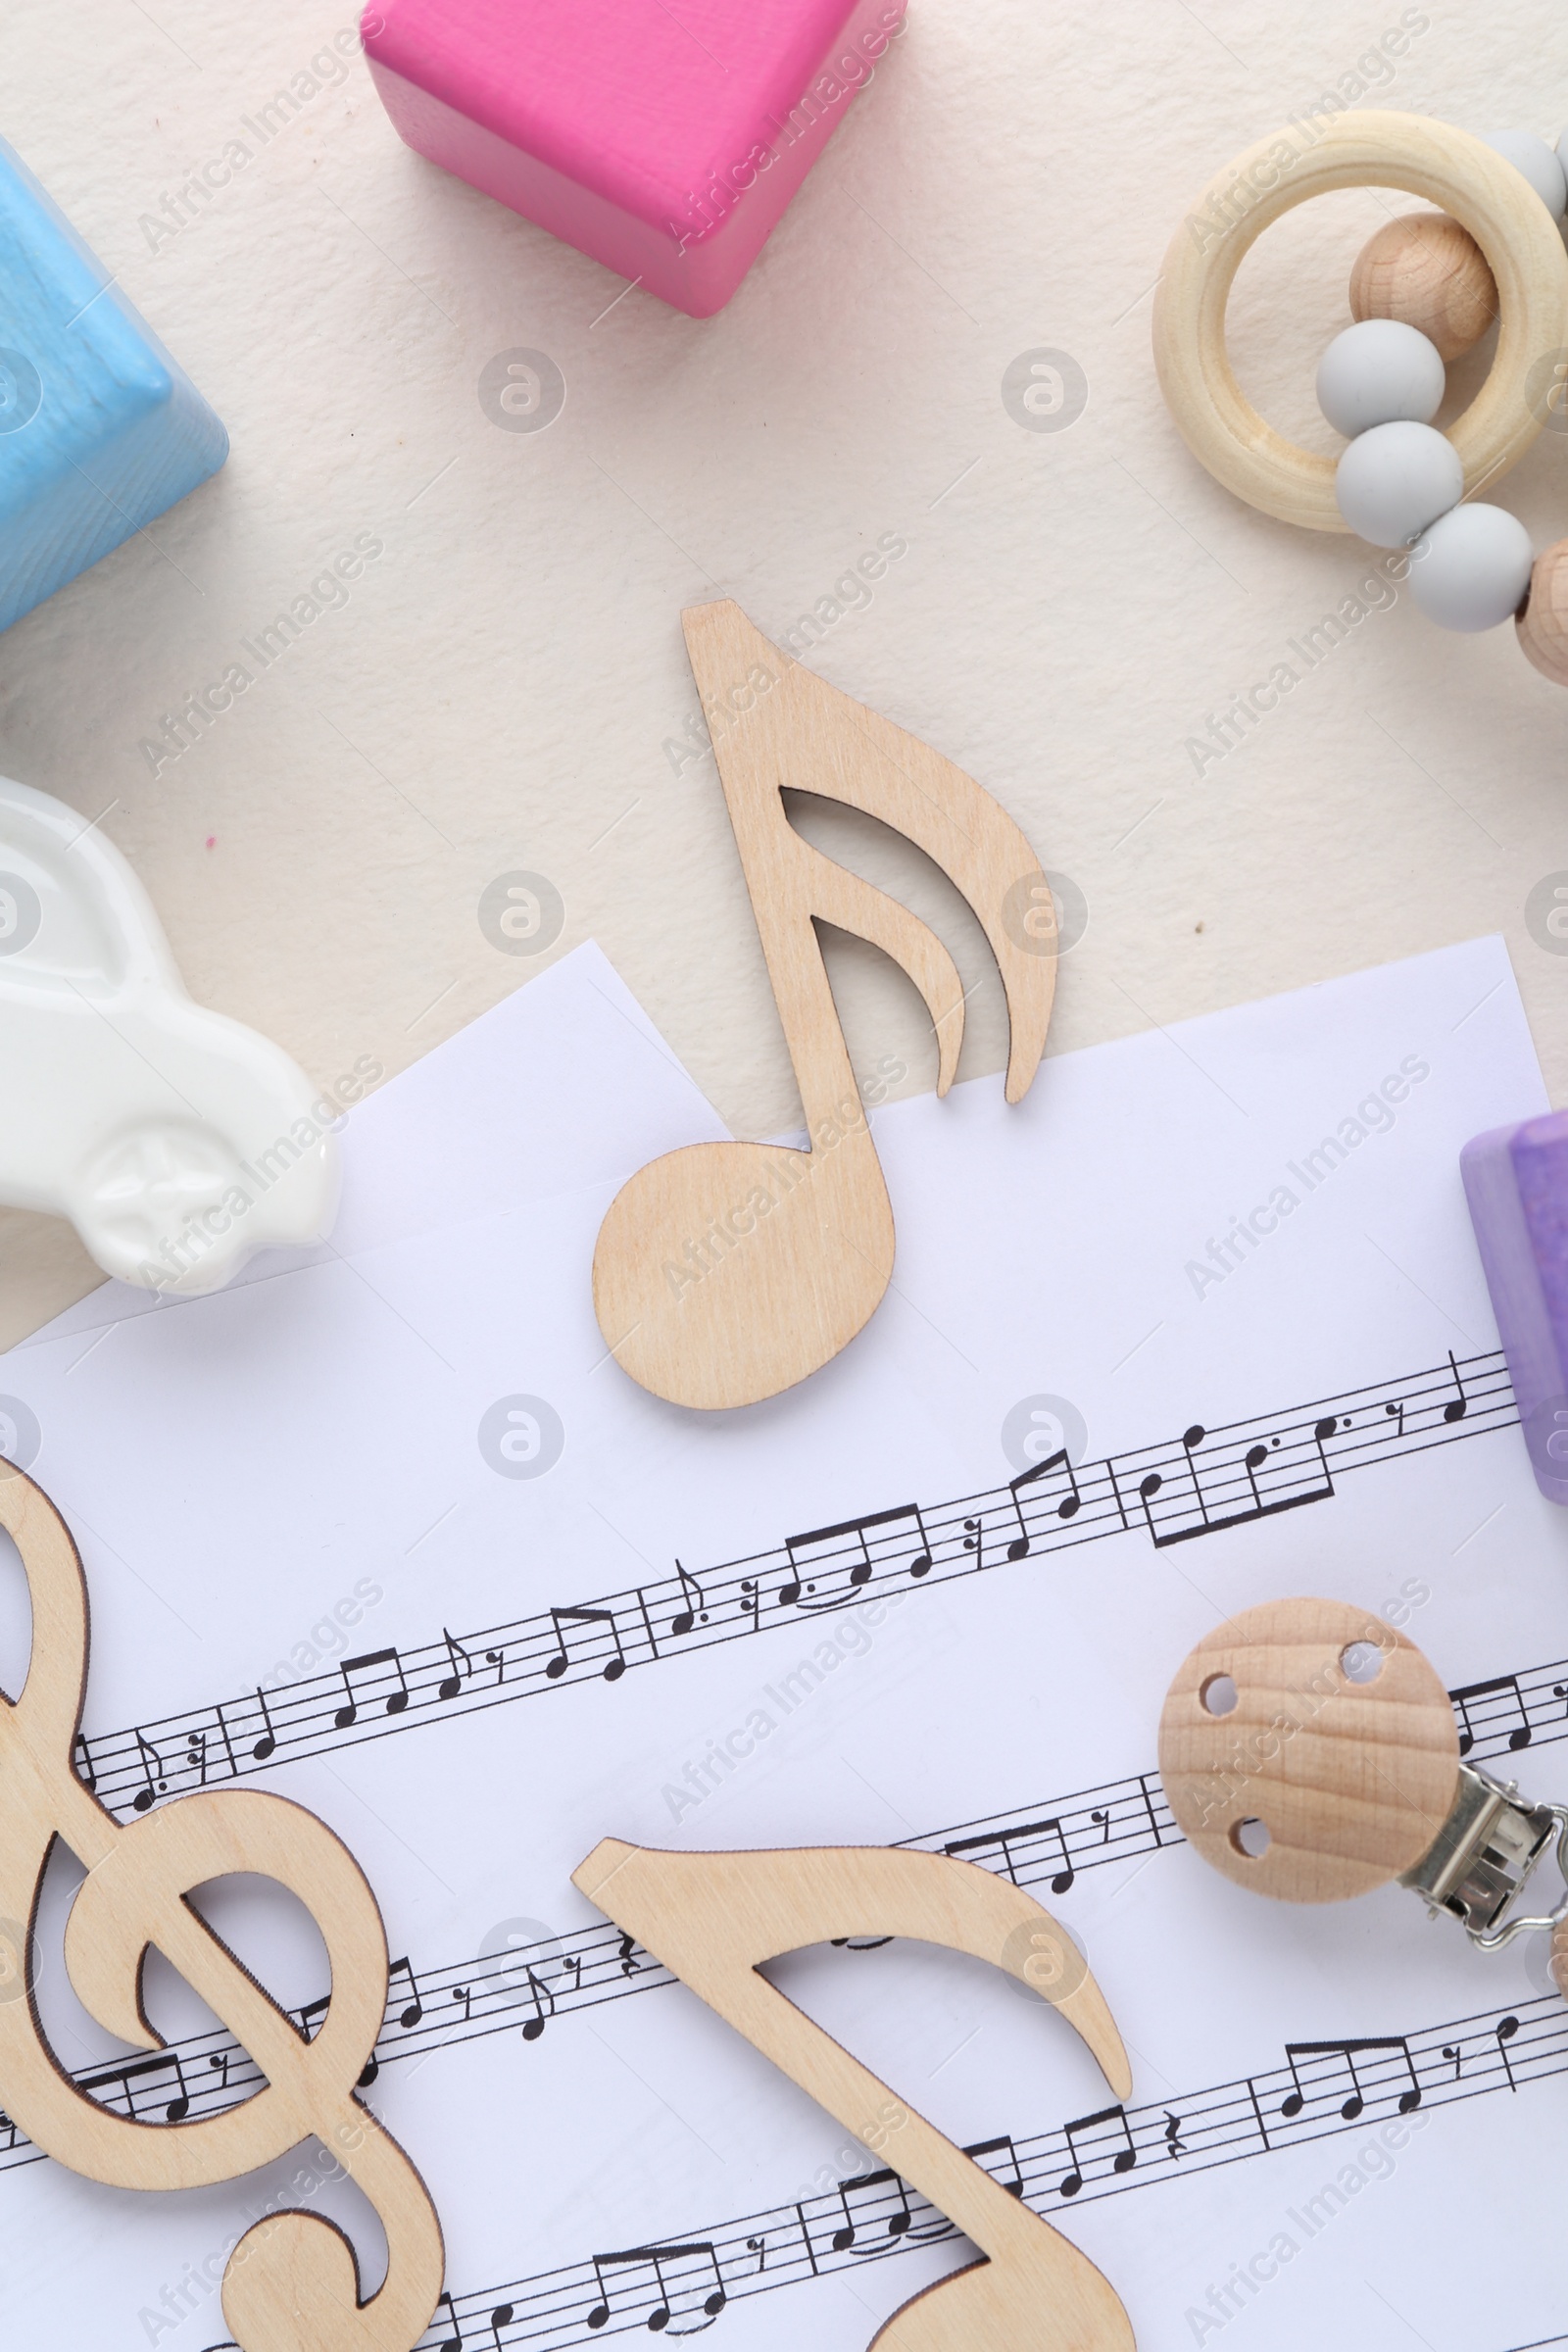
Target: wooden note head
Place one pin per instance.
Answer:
(1308, 1750)
(726, 1272)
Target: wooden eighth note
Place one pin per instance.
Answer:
(291, 2285)
(726, 1272)
(716, 1919)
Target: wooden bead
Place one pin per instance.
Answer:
(1351, 1779)
(1435, 160)
(1543, 625)
(1428, 273)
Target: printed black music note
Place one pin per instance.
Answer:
(800, 1591)
(849, 2232)
(573, 1961)
(1455, 2052)
(156, 1780)
(1123, 2161)
(462, 1667)
(1173, 2134)
(665, 2306)
(373, 1662)
(498, 1659)
(125, 2079)
(1346, 2053)
(759, 2247)
(1457, 1407)
(1505, 1686)
(196, 1753)
(1396, 1407)
(413, 2009)
(1252, 1463)
(695, 1610)
(630, 1966)
(502, 2317)
(541, 1993)
(1012, 2181)
(465, 1994)
(266, 1744)
(1192, 1439)
(454, 2341)
(1068, 1509)
(1504, 2034)
(1148, 1488)
(563, 1618)
(1104, 1818)
(218, 2061)
(974, 1535)
(1003, 1840)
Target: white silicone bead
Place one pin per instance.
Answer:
(1380, 372)
(1545, 170)
(1396, 479)
(1472, 569)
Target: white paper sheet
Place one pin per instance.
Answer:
(251, 1458)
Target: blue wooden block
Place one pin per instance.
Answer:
(100, 428)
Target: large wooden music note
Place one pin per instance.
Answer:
(726, 1272)
(714, 1919)
(292, 2283)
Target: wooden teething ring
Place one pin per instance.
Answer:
(1450, 168)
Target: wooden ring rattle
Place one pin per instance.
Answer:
(1470, 567)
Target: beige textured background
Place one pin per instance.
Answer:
(499, 690)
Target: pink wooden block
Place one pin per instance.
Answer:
(663, 141)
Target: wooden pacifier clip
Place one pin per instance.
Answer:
(1309, 1751)
(1425, 290)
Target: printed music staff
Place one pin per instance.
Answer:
(726, 1272)
(714, 1920)
(913, 1547)
(792, 2245)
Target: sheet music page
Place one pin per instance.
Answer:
(1200, 1324)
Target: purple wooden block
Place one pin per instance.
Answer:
(1516, 1181)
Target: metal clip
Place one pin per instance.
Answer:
(1484, 1854)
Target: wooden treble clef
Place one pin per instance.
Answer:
(292, 2283)
(726, 1272)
